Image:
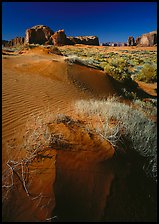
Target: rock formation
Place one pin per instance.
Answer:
(38, 34)
(138, 40)
(131, 41)
(74, 40)
(4, 43)
(41, 34)
(59, 38)
(148, 39)
(88, 40)
(14, 42)
(17, 41)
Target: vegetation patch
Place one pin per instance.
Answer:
(148, 74)
(137, 129)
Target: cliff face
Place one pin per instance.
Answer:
(89, 40)
(44, 35)
(14, 42)
(131, 41)
(38, 34)
(59, 38)
(41, 34)
(148, 39)
(138, 40)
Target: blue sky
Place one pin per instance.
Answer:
(110, 21)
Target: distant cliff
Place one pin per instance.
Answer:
(41, 34)
(89, 40)
(146, 40)
(14, 42)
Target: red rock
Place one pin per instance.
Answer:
(148, 39)
(38, 34)
(14, 42)
(88, 40)
(131, 41)
(41, 34)
(138, 40)
(59, 38)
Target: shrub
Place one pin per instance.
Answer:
(118, 69)
(36, 140)
(148, 73)
(134, 125)
(55, 50)
(148, 107)
(87, 62)
(128, 94)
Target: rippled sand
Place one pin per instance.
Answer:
(39, 84)
(35, 83)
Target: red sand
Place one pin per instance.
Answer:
(77, 183)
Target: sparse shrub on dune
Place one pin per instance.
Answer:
(36, 140)
(148, 73)
(149, 108)
(119, 66)
(37, 136)
(118, 69)
(23, 173)
(130, 123)
(30, 46)
(77, 60)
(130, 91)
(54, 50)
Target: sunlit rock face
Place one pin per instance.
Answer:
(138, 40)
(38, 34)
(59, 38)
(148, 39)
(88, 40)
(41, 34)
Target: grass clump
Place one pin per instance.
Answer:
(130, 123)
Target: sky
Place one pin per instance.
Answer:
(109, 21)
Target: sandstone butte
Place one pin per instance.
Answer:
(41, 34)
(146, 40)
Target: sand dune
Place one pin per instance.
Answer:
(94, 80)
(37, 83)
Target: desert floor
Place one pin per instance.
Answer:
(72, 184)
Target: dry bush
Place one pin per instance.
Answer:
(54, 50)
(133, 124)
(36, 139)
(149, 108)
(87, 62)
